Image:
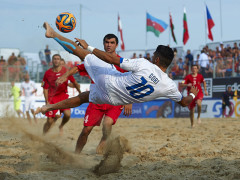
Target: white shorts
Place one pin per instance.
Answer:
(99, 72)
(29, 104)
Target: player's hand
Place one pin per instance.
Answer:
(194, 90)
(127, 109)
(81, 42)
(60, 80)
(189, 85)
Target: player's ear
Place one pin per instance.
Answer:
(157, 60)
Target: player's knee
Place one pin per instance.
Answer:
(67, 114)
(86, 130)
(108, 121)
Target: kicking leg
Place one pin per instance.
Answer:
(82, 139)
(67, 44)
(106, 130)
(65, 104)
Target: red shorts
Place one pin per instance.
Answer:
(56, 99)
(95, 113)
(193, 103)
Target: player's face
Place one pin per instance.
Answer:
(56, 61)
(110, 45)
(194, 70)
(26, 77)
(62, 63)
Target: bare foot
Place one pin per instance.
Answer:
(42, 109)
(49, 30)
(101, 147)
(199, 121)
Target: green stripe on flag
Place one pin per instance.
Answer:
(152, 29)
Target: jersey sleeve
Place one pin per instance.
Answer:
(173, 92)
(45, 84)
(131, 64)
(202, 79)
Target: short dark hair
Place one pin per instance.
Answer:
(56, 55)
(195, 65)
(165, 55)
(110, 36)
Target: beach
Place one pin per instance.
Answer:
(138, 149)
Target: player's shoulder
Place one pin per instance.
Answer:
(200, 75)
(48, 71)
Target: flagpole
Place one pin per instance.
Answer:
(80, 24)
(146, 30)
(119, 47)
(169, 29)
(205, 22)
(221, 17)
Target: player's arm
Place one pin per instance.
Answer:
(188, 99)
(108, 58)
(76, 85)
(65, 76)
(45, 93)
(205, 87)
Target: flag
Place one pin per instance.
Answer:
(172, 28)
(210, 24)
(155, 25)
(185, 27)
(121, 35)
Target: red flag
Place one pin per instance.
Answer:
(210, 24)
(121, 35)
(185, 28)
(172, 28)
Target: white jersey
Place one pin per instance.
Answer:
(28, 88)
(144, 82)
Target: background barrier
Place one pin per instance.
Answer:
(161, 108)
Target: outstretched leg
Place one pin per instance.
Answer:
(65, 104)
(67, 44)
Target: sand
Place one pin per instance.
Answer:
(139, 149)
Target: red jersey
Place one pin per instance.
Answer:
(49, 82)
(195, 81)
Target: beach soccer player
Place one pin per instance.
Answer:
(16, 93)
(28, 88)
(53, 93)
(195, 80)
(145, 81)
(96, 112)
